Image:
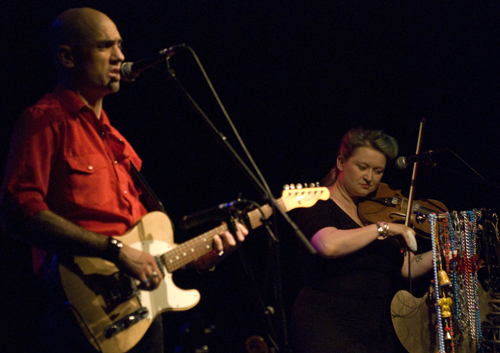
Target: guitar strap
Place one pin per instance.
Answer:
(151, 201)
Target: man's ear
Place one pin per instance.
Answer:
(65, 56)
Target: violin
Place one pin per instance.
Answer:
(390, 205)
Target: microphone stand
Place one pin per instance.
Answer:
(478, 178)
(266, 311)
(266, 194)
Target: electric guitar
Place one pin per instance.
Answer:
(112, 312)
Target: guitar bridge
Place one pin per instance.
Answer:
(119, 288)
(125, 322)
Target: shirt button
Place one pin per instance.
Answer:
(115, 162)
(90, 167)
(125, 192)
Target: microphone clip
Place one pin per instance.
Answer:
(427, 159)
(223, 212)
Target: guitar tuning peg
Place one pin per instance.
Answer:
(299, 186)
(286, 187)
(292, 186)
(312, 185)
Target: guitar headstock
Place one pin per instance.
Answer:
(295, 196)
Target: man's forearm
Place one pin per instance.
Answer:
(46, 230)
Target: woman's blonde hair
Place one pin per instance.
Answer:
(359, 137)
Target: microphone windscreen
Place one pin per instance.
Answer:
(401, 163)
(126, 72)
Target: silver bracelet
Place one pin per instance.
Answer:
(383, 229)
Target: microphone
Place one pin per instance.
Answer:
(130, 70)
(218, 213)
(405, 162)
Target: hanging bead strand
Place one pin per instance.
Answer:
(432, 220)
(473, 216)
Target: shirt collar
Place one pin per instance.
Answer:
(73, 104)
(68, 99)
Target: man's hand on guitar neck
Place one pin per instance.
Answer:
(224, 244)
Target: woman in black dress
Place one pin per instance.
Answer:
(345, 304)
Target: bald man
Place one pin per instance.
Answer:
(68, 185)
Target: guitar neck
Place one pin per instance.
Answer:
(202, 244)
(255, 216)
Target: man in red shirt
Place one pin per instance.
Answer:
(68, 185)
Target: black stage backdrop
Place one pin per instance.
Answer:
(294, 76)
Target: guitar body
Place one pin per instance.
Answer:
(112, 312)
(101, 297)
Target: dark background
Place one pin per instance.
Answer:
(294, 76)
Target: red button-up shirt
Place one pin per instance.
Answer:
(64, 159)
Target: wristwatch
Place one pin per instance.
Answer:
(113, 249)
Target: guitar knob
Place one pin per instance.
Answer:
(110, 331)
(130, 320)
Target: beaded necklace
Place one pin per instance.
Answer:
(454, 254)
(434, 236)
(447, 251)
(473, 216)
(454, 251)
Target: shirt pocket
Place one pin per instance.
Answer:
(91, 179)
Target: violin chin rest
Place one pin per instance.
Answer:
(413, 241)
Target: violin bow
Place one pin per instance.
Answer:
(409, 209)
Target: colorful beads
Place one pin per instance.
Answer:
(455, 255)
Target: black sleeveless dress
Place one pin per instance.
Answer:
(345, 304)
